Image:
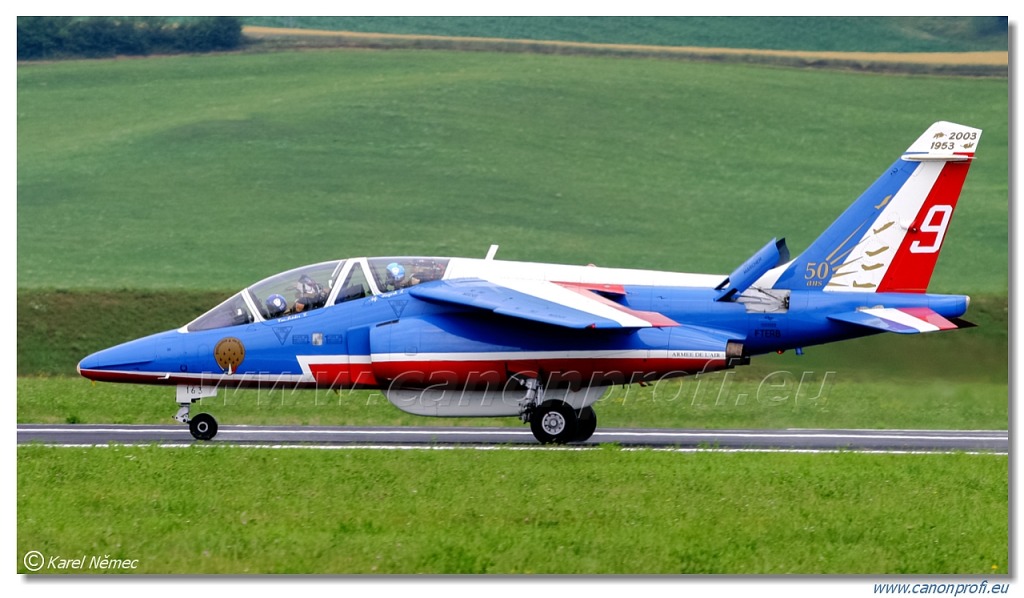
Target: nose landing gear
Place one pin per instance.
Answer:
(203, 426)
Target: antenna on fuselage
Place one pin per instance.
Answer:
(490, 252)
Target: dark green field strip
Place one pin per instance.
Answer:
(56, 329)
(244, 510)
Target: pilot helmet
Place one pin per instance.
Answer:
(396, 271)
(276, 305)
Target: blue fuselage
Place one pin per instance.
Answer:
(395, 338)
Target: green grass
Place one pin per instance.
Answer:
(867, 34)
(211, 172)
(717, 401)
(238, 510)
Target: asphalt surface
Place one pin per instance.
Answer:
(995, 441)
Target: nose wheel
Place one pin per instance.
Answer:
(203, 426)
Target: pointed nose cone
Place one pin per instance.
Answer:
(128, 362)
(126, 357)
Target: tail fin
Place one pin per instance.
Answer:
(889, 239)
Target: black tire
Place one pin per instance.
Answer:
(586, 425)
(203, 426)
(554, 422)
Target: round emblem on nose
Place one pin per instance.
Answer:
(229, 354)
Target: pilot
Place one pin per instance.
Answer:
(276, 305)
(396, 272)
(309, 294)
(397, 278)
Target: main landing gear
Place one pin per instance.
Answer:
(555, 421)
(203, 426)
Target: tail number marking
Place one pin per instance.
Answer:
(934, 222)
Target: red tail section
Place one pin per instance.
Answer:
(914, 262)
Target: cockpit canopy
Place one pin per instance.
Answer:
(317, 286)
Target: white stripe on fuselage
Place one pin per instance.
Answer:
(306, 360)
(501, 270)
(547, 355)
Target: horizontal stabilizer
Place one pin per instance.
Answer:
(567, 305)
(771, 255)
(905, 320)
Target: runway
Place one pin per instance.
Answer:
(991, 441)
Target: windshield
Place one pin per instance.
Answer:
(299, 290)
(232, 312)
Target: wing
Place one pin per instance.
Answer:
(569, 305)
(905, 320)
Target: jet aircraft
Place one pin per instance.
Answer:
(484, 337)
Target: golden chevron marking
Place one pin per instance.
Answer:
(884, 201)
(876, 252)
(871, 267)
(841, 257)
(885, 226)
(864, 285)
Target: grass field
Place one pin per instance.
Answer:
(216, 171)
(244, 510)
(146, 187)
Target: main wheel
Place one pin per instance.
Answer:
(203, 426)
(587, 424)
(554, 422)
